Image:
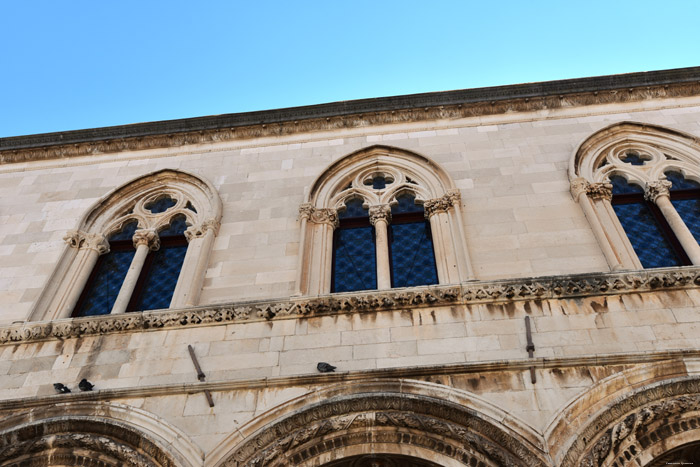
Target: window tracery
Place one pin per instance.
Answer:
(638, 187)
(144, 246)
(391, 204)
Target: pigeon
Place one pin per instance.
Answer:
(324, 367)
(61, 388)
(85, 385)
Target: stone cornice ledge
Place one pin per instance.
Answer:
(624, 88)
(501, 291)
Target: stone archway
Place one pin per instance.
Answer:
(646, 427)
(391, 420)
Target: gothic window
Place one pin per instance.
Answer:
(144, 246)
(638, 187)
(381, 218)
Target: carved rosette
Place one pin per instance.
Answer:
(442, 204)
(324, 216)
(602, 190)
(380, 212)
(146, 237)
(198, 231)
(96, 242)
(656, 189)
(579, 186)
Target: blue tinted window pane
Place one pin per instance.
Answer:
(126, 233)
(378, 182)
(620, 186)
(678, 182)
(633, 159)
(412, 256)
(110, 271)
(353, 208)
(160, 284)
(177, 227)
(648, 242)
(407, 203)
(689, 210)
(160, 205)
(354, 262)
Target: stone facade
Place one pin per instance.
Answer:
(530, 256)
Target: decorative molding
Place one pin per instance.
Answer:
(578, 187)
(448, 428)
(631, 425)
(600, 191)
(656, 189)
(537, 288)
(198, 231)
(96, 242)
(533, 97)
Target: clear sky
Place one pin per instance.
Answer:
(68, 65)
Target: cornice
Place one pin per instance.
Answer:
(632, 87)
(502, 291)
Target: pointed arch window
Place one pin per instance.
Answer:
(388, 203)
(144, 246)
(638, 187)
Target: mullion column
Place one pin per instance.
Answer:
(379, 217)
(658, 192)
(144, 241)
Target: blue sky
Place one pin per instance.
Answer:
(85, 64)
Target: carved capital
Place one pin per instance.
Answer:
(324, 216)
(305, 210)
(96, 242)
(599, 191)
(200, 230)
(379, 212)
(146, 237)
(579, 186)
(441, 204)
(74, 238)
(656, 189)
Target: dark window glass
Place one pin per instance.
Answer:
(645, 226)
(411, 245)
(633, 159)
(162, 204)
(354, 257)
(685, 197)
(161, 270)
(106, 279)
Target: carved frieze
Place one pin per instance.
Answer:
(582, 285)
(343, 122)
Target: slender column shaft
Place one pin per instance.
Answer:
(382, 252)
(132, 276)
(87, 258)
(683, 234)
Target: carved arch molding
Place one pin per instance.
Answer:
(653, 426)
(382, 422)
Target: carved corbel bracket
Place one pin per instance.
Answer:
(441, 204)
(74, 238)
(324, 216)
(602, 190)
(579, 186)
(198, 231)
(96, 242)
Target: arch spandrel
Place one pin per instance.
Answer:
(375, 416)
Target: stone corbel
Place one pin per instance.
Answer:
(95, 242)
(442, 204)
(74, 238)
(599, 191)
(200, 230)
(324, 216)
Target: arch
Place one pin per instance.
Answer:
(657, 151)
(405, 172)
(94, 434)
(634, 416)
(194, 198)
(398, 417)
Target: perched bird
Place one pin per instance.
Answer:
(61, 388)
(85, 385)
(324, 367)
